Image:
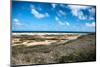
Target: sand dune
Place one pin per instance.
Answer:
(44, 40)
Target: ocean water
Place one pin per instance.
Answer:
(50, 32)
(47, 32)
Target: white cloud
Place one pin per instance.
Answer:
(76, 11)
(46, 14)
(82, 16)
(67, 24)
(17, 22)
(53, 5)
(32, 6)
(90, 24)
(63, 5)
(92, 10)
(78, 7)
(60, 22)
(62, 12)
(57, 19)
(91, 18)
(37, 14)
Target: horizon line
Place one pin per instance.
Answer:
(53, 31)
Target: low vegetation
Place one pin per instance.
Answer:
(80, 50)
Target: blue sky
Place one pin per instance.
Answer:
(36, 16)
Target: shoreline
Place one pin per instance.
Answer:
(48, 33)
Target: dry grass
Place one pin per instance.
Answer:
(80, 50)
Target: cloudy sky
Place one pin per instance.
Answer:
(35, 16)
